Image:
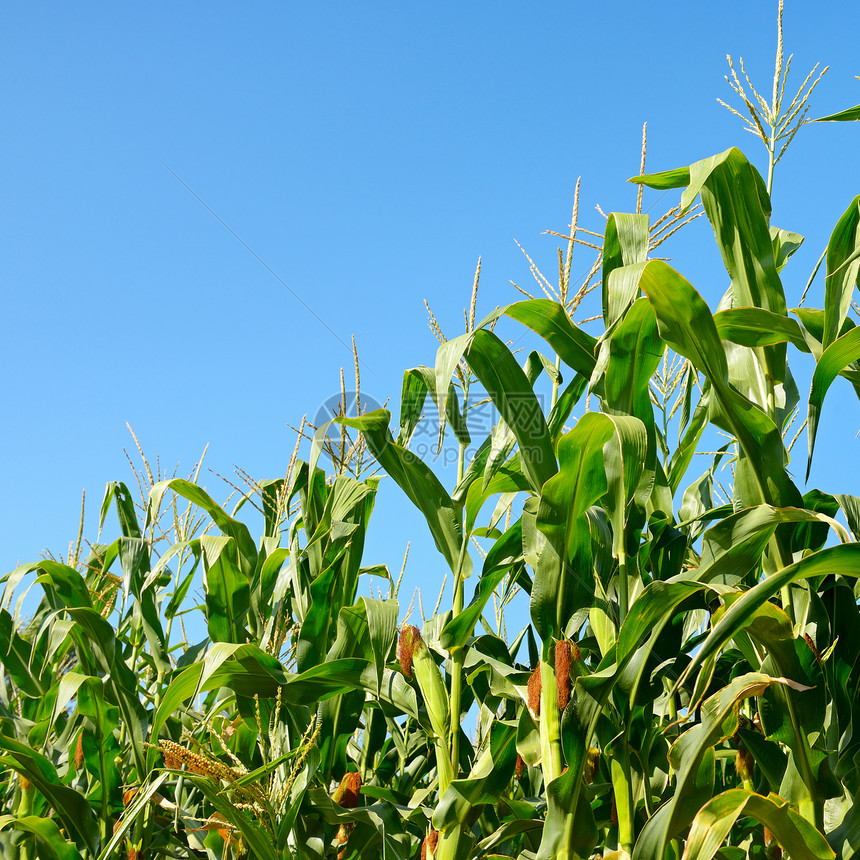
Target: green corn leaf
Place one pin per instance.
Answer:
(692, 759)
(752, 327)
(416, 479)
(624, 459)
(105, 719)
(567, 399)
(131, 813)
(785, 243)
(565, 833)
(737, 204)
(383, 820)
(551, 321)
(320, 620)
(261, 671)
(564, 579)
(732, 547)
(635, 350)
(489, 777)
(134, 555)
(847, 115)
(259, 841)
(505, 480)
(843, 271)
(683, 454)
(417, 383)
(230, 527)
(15, 657)
(512, 394)
(228, 595)
(117, 491)
(838, 560)
(505, 552)
(687, 325)
(839, 355)
(678, 178)
(71, 807)
(716, 818)
(52, 845)
(625, 244)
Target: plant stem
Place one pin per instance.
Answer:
(623, 791)
(771, 149)
(457, 658)
(457, 655)
(25, 808)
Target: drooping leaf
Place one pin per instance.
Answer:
(841, 353)
(230, 527)
(752, 327)
(550, 320)
(52, 845)
(625, 246)
(564, 577)
(687, 325)
(416, 479)
(843, 271)
(716, 818)
(506, 383)
(692, 750)
(840, 560)
(71, 807)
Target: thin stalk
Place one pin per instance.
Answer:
(457, 655)
(25, 808)
(443, 765)
(771, 161)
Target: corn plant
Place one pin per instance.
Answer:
(684, 681)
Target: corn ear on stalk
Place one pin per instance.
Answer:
(429, 680)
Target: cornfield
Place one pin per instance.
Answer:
(684, 684)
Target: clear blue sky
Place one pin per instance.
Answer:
(368, 153)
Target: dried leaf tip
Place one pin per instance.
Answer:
(410, 635)
(813, 647)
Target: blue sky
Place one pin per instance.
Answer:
(368, 153)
